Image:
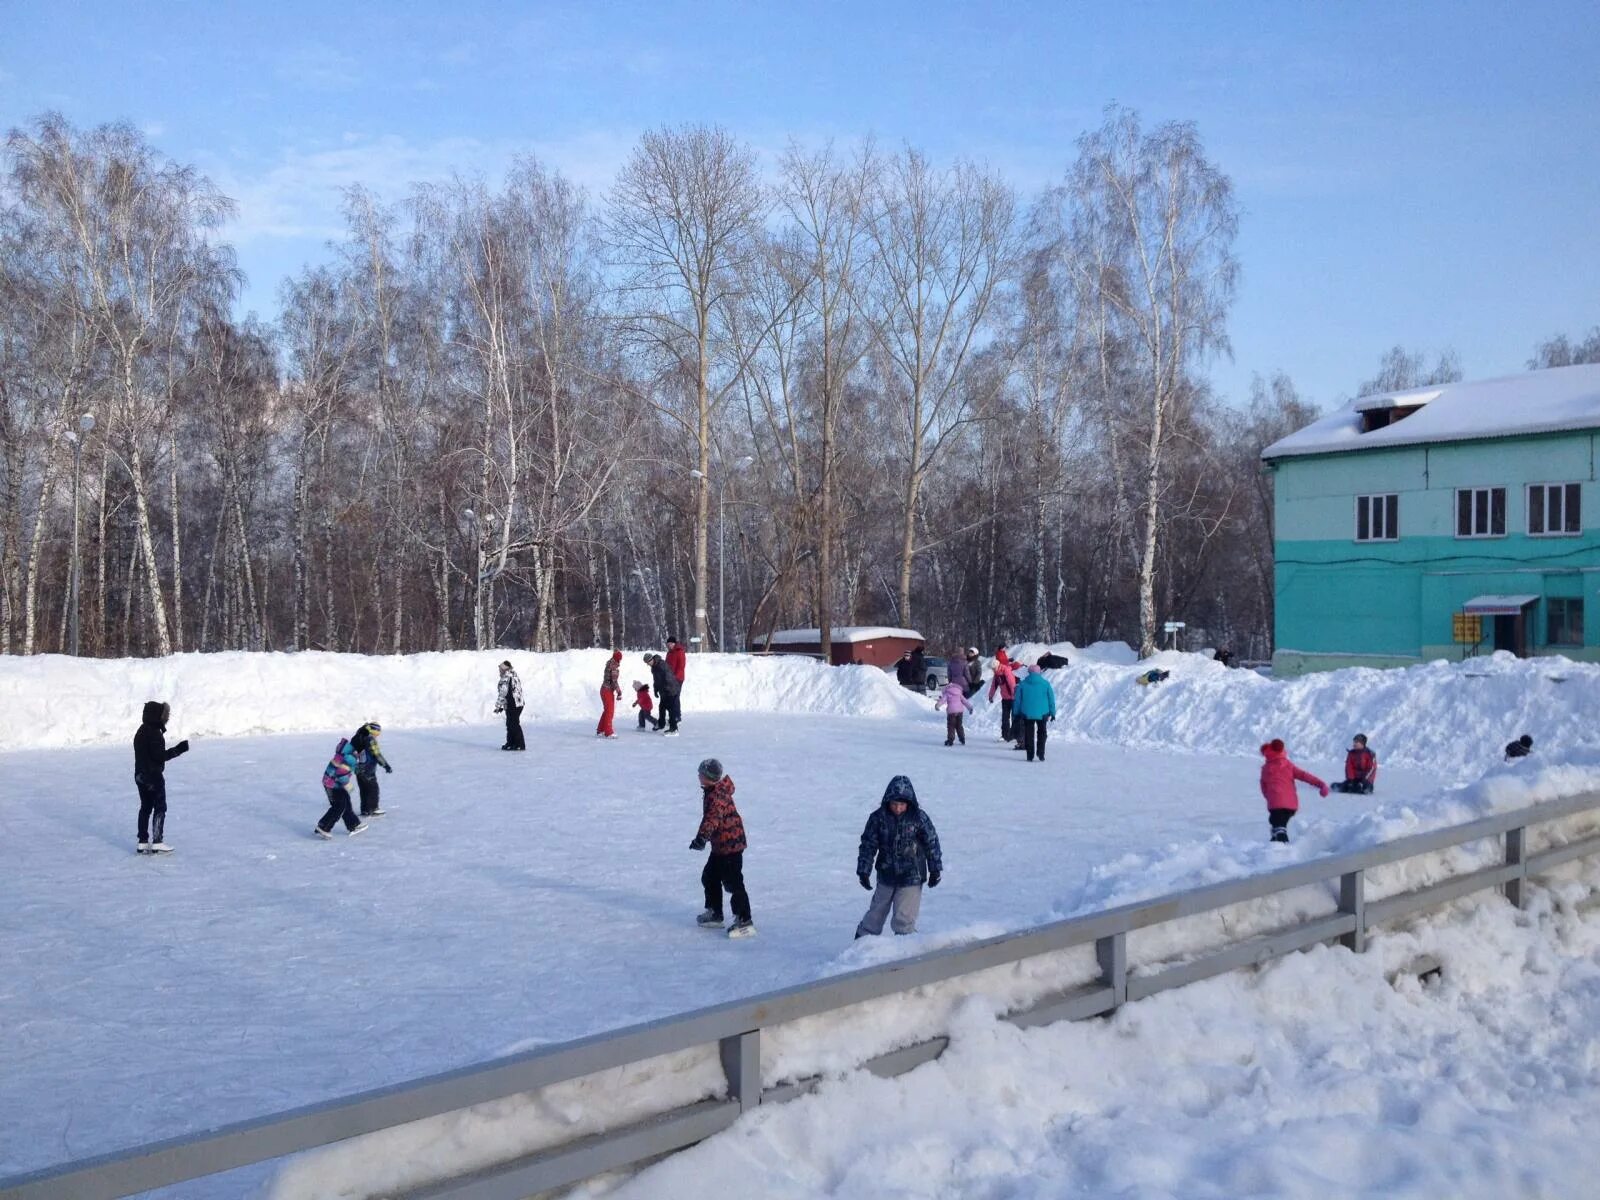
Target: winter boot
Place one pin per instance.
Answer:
(1281, 835)
(742, 927)
(708, 918)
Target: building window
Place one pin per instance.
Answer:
(1377, 518)
(1555, 509)
(1564, 617)
(1480, 512)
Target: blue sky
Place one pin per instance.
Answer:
(1419, 173)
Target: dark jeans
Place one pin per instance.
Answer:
(514, 728)
(1008, 730)
(671, 711)
(1279, 819)
(1033, 734)
(1355, 787)
(646, 719)
(339, 809)
(953, 729)
(152, 810)
(368, 783)
(726, 871)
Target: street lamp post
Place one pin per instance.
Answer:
(722, 642)
(85, 424)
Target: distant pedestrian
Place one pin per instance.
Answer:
(610, 693)
(1035, 707)
(509, 701)
(338, 778)
(1520, 748)
(1223, 656)
(917, 669)
(150, 759)
(666, 685)
(369, 757)
(1278, 777)
(723, 828)
(953, 699)
(1004, 682)
(901, 843)
(642, 701)
(1360, 768)
(974, 671)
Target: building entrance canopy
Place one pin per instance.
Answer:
(1498, 606)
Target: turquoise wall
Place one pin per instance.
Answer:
(1341, 601)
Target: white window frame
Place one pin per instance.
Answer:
(1455, 514)
(1545, 490)
(1377, 502)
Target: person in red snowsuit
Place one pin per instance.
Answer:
(610, 693)
(1278, 777)
(642, 701)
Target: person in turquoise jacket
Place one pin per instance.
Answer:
(1035, 704)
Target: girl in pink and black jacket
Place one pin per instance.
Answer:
(1278, 777)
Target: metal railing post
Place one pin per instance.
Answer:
(1112, 953)
(1353, 900)
(1517, 855)
(741, 1063)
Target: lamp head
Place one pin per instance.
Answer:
(86, 422)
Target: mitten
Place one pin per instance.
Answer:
(933, 878)
(182, 747)
(388, 769)
(699, 843)
(1324, 791)
(866, 881)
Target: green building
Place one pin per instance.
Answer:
(1441, 522)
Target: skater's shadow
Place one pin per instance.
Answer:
(638, 903)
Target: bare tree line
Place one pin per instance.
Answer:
(517, 415)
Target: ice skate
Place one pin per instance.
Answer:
(322, 833)
(144, 848)
(160, 848)
(708, 919)
(376, 812)
(362, 828)
(743, 927)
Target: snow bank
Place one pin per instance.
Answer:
(1453, 719)
(53, 700)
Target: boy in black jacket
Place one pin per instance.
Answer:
(150, 758)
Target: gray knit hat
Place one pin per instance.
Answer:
(711, 770)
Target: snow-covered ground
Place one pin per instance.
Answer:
(513, 900)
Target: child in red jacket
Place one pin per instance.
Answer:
(1278, 776)
(642, 701)
(1360, 768)
(721, 825)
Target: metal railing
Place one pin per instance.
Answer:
(736, 1027)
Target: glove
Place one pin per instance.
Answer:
(388, 770)
(933, 878)
(499, 708)
(699, 843)
(866, 881)
(182, 747)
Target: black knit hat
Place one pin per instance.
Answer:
(711, 770)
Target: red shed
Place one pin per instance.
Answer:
(873, 645)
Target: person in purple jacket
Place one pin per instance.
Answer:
(953, 699)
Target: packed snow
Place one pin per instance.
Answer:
(528, 896)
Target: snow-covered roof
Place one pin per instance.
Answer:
(841, 633)
(1537, 402)
(1501, 606)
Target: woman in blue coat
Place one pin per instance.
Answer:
(1035, 704)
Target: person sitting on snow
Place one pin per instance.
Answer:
(1520, 748)
(1360, 768)
(1278, 777)
(1051, 661)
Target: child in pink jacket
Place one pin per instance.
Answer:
(1278, 776)
(953, 699)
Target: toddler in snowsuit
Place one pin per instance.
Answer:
(900, 839)
(1278, 776)
(150, 759)
(1520, 748)
(642, 701)
(953, 699)
(369, 757)
(721, 825)
(1360, 768)
(337, 779)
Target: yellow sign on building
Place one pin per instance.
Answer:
(1468, 628)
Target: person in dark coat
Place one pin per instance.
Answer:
(150, 759)
(1520, 748)
(901, 842)
(369, 757)
(917, 669)
(974, 671)
(1051, 661)
(723, 828)
(666, 685)
(509, 701)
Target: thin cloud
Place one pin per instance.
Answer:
(321, 67)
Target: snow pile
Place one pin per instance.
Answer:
(1450, 718)
(53, 700)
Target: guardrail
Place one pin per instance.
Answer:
(736, 1027)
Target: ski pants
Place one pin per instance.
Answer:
(646, 719)
(1279, 819)
(953, 729)
(514, 728)
(339, 809)
(905, 901)
(726, 871)
(152, 810)
(1032, 733)
(671, 710)
(367, 782)
(1008, 729)
(608, 712)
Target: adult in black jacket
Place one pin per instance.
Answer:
(667, 687)
(1051, 661)
(917, 669)
(150, 758)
